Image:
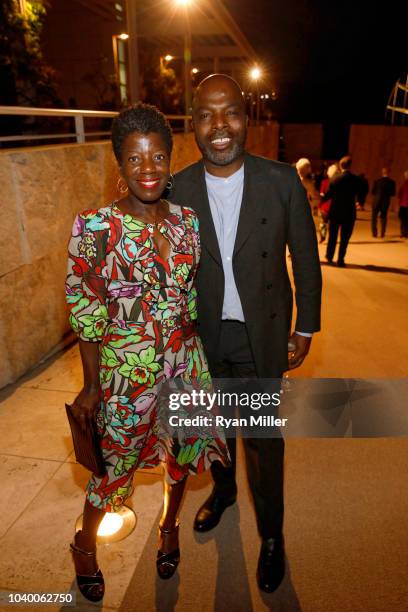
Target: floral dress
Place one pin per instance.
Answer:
(141, 309)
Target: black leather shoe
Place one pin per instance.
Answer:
(210, 513)
(271, 564)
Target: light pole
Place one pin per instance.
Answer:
(255, 75)
(133, 51)
(187, 62)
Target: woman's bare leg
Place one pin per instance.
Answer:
(86, 539)
(173, 495)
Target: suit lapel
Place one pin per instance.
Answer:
(251, 200)
(202, 206)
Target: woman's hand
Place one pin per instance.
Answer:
(85, 406)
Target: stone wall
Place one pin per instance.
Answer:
(42, 188)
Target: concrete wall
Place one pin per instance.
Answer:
(42, 188)
(372, 146)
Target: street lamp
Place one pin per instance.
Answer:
(255, 75)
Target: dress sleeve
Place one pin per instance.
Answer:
(85, 285)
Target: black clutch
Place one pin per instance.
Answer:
(86, 445)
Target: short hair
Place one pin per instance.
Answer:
(345, 162)
(211, 77)
(142, 118)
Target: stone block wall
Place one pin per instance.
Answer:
(42, 189)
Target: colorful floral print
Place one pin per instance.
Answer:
(141, 310)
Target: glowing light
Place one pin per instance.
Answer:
(168, 58)
(111, 523)
(194, 70)
(123, 36)
(183, 2)
(255, 73)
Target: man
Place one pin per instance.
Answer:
(249, 209)
(344, 192)
(383, 190)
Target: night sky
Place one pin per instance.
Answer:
(333, 62)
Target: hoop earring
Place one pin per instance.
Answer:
(121, 187)
(170, 183)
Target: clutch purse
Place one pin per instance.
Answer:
(86, 445)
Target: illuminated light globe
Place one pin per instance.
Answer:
(255, 73)
(111, 523)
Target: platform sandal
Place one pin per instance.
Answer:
(167, 563)
(92, 586)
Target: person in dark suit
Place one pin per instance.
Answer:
(250, 209)
(383, 190)
(344, 192)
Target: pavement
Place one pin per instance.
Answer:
(346, 504)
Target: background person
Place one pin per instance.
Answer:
(344, 192)
(304, 169)
(383, 190)
(324, 208)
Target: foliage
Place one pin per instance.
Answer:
(25, 78)
(160, 83)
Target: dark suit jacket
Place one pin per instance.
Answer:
(344, 191)
(274, 213)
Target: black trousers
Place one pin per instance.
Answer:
(264, 457)
(382, 210)
(346, 229)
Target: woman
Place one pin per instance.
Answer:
(132, 302)
(324, 208)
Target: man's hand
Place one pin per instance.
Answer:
(301, 345)
(85, 406)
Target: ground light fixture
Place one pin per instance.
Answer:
(114, 527)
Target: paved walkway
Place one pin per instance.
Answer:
(346, 506)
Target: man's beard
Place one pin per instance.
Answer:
(226, 157)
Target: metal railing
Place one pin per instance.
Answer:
(79, 116)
